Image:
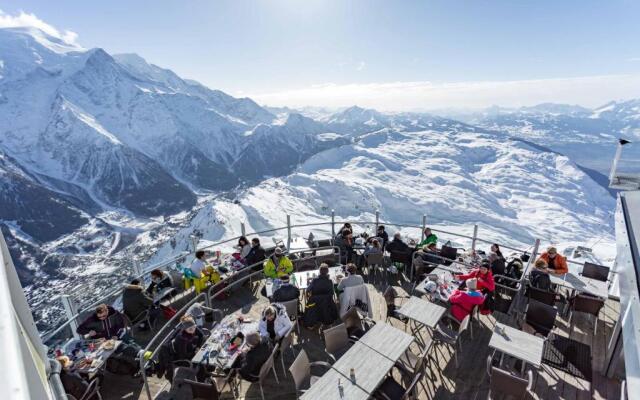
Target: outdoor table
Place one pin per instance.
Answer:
(99, 356)
(519, 344)
(581, 284)
(215, 351)
(370, 366)
(387, 340)
(446, 284)
(326, 388)
(302, 279)
(423, 313)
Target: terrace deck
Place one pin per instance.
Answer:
(443, 380)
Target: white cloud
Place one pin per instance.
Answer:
(24, 20)
(589, 91)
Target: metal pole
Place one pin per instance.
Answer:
(71, 310)
(288, 232)
(137, 267)
(377, 221)
(194, 242)
(242, 229)
(475, 237)
(536, 248)
(333, 224)
(424, 226)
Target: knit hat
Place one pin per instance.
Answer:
(284, 278)
(278, 251)
(187, 323)
(472, 284)
(253, 339)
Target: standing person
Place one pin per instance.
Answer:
(244, 247)
(429, 238)
(105, 323)
(382, 234)
(135, 301)
(344, 241)
(482, 275)
(274, 323)
(278, 265)
(463, 301)
(345, 227)
(556, 264)
(256, 253)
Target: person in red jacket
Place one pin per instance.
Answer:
(463, 301)
(483, 275)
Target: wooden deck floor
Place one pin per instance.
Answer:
(444, 380)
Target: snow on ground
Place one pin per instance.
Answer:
(513, 192)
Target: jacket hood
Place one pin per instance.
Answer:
(133, 287)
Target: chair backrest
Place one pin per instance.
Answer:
(541, 316)
(401, 257)
(422, 359)
(540, 295)
(352, 319)
(411, 388)
(595, 271)
(450, 253)
(91, 390)
(463, 325)
(336, 338)
(587, 304)
(285, 344)
(200, 390)
(300, 369)
(375, 259)
(509, 385)
(292, 308)
(264, 370)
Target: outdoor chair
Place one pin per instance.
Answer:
(443, 335)
(412, 364)
(449, 255)
(391, 294)
(336, 341)
(92, 391)
(375, 261)
(201, 390)
(301, 372)
(356, 325)
(543, 296)
(588, 305)
(292, 311)
(595, 271)
(287, 344)
(264, 371)
(506, 384)
(392, 390)
(540, 318)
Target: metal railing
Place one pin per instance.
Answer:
(72, 317)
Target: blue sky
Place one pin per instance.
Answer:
(407, 54)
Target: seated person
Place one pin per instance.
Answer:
(256, 254)
(539, 276)
(135, 302)
(160, 281)
(72, 382)
(397, 245)
(463, 301)
(244, 247)
(286, 291)
(278, 265)
(186, 343)
(556, 264)
(429, 238)
(105, 323)
(252, 357)
(274, 323)
(352, 279)
(374, 247)
(198, 311)
(382, 234)
(198, 264)
(321, 284)
(483, 275)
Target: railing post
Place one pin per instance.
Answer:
(137, 268)
(377, 222)
(194, 242)
(536, 248)
(333, 224)
(242, 229)
(424, 226)
(288, 232)
(71, 310)
(475, 237)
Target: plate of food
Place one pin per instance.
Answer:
(108, 345)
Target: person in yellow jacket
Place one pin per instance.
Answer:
(278, 265)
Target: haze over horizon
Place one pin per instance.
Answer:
(389, 56)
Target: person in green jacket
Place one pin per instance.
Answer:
(284, 265)
(428, 239)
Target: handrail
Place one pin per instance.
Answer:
(334, 222)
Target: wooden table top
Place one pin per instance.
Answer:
(422, 311)
(516, 343)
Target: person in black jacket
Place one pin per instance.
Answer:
(322, 284)
(256, 254)
(397, 245)
(72, 381)
(286, 291)
(106, 323)
(252, 357)
(187, 342)
(135, 301)
(321, 307)
(159, 281)
(382, 234)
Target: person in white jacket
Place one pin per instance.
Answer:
(274, 323)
